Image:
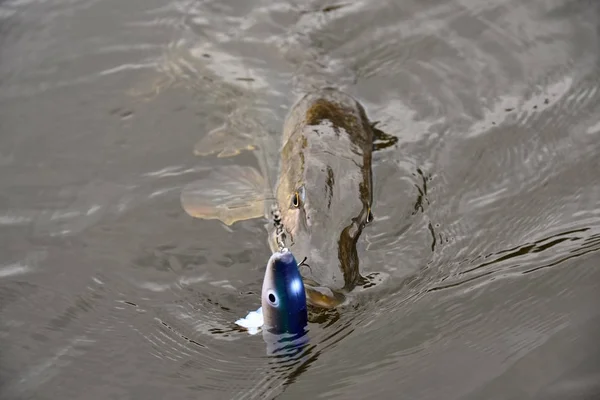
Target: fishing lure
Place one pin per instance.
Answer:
(283, 298)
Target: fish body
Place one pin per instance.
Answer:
(324, 190)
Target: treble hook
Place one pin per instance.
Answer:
(306, 265)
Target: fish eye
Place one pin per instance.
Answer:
(296, 199)
(273, 299)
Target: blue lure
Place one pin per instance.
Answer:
(283, 298)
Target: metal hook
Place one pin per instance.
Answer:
(306, 265)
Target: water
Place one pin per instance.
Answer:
(487, 212)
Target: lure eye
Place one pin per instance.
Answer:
(273, 298)
(296, 199)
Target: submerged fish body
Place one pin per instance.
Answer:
(323, 192)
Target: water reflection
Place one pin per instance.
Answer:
(285, 345)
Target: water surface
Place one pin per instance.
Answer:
(487, 212)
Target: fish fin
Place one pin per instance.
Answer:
(382, 140)
(323, 297)
(230, 194)
(224, 141)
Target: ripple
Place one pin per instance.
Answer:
(77, 209)
(594, 129)
(48, 369)
(14, 220)
(237, 366)
(524, 260)
(14, 269)
(46, 65)
(175, 170)
(487, 213)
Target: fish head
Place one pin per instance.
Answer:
(283, 297)
(324, 211)
(324, 190)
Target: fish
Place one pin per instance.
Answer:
(323, 194)
(324, 190)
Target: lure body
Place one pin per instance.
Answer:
(283, 297)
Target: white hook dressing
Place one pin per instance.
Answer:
(253, 321)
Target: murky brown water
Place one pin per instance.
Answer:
(487, 211)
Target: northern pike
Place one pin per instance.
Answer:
(323, 192)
